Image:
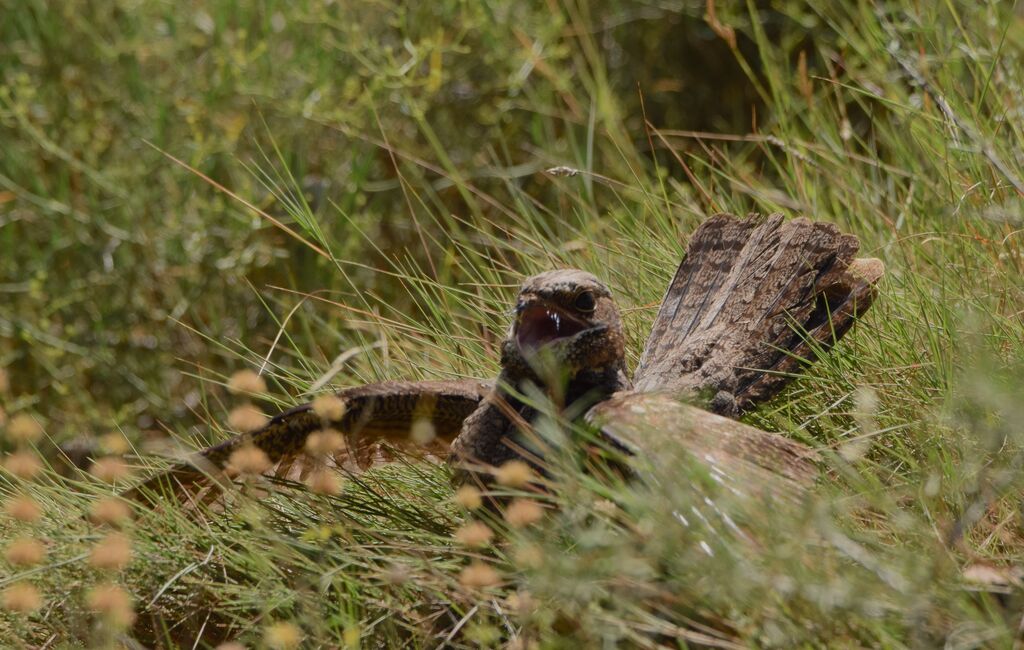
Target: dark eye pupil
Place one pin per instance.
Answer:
(585, 301)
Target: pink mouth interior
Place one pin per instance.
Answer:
(541, 323)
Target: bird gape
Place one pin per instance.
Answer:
(754, 301)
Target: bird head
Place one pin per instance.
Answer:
(564, 320)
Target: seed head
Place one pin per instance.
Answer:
(246, 382)
(529, 556)
(21, 597)
(468, 497)
(246, 418)
(113, 603)
(329, 407)
(324, 481)
(478, 575)
(114, 443)
(283, 636)
(324, 442)
(474, 534)
(23, 428)
(514, 474)
(523, 512)
(521, 603)
(23, 464)
(23, 508)
(422, 432)
(249, 460)
(25, 551)
(110, 469)
(113, 552)
(111, 511)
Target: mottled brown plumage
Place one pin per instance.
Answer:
(750, 305)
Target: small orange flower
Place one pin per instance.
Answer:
(114, 443)
(478, 575)
(111, 511)
(23, 464)
(246, 382)
(325, 442)
(113, 552)
(468, 497)
(474, 534)
(21, 597)
(529, 556)
(329, 407)
(514, 474)
(113, 603)
(110, 469)
(23, 428)
(249, 460)
(325, 481)
(422, 431)
(23, 508)
(523, 512)
(246, 418)
(25, 551)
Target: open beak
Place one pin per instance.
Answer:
(541, 322)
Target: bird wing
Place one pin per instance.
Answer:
(384, 412)
(752, 303)
(659, 428)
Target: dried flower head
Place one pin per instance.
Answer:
(246, 382)
(21, 597)
(324, 442)
(422, 431)
(478, 575)
(24, 428)
(113, 552)
(111, 511)
(25, 551)
(23, 508)
(114, 443)
(523, 512)
(521, 602)
(528, 556)
(246, 418)
(113, 603)
(249, 460)
(329, 407)
(474, 534)
(230, 645)
(23, 464)
(514, 474)
(324, 481)
(468, 497)
(110, 469)
(282, 636)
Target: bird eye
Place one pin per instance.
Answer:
(585, 302)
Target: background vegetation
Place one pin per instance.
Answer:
(396, 155)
